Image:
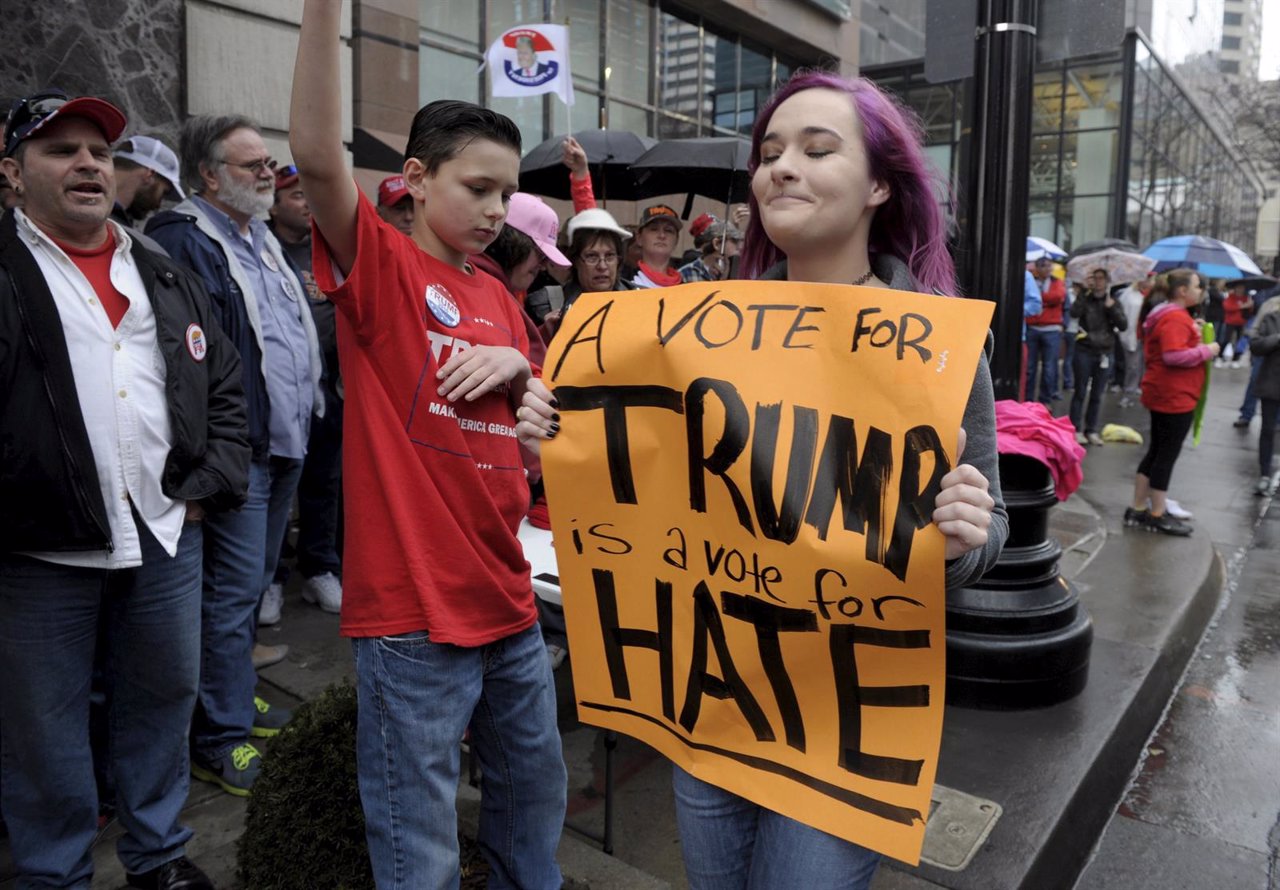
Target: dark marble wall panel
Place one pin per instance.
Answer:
(127, 51)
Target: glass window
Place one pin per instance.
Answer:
(630, 45)
(1233, 18)
(1226, 67)
(671, 127)
(584, 114)
(754, 85)
(1230, 42)
(584, 38)
(446, 75)
(453, 23)
(628, 117)
(682, 68)
(527, 113)
(1044, 165)
(1091, 97)
(1046, 103)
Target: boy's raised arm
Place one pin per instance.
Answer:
(315, 130)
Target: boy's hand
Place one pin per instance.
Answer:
(478, 371)
(574, 157)
(963, 508)
(537, 416)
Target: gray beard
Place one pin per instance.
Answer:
(246, 199)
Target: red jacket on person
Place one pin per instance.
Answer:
(1052, 299)
(1175, 360)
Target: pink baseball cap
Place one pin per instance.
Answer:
(531, 215)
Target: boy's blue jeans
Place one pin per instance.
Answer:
(416, 700)
(730, 843)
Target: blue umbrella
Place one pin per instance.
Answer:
(1208, 256)
(1039, 248)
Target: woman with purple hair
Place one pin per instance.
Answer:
(841, 194)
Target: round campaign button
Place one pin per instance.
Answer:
(269, 261)
(196, 344)
(442, 306)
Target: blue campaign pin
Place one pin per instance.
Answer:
(442, 306)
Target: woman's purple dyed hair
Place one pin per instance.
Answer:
(910, 225)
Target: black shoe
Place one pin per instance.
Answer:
(1241, 422)
(1167, 525)
(179, 874)
(1134, 518)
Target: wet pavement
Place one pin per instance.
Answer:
(1201, 813)
(1204, 809)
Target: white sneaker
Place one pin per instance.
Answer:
(1176, 510)
(556, 654)
(325, 591)
(1263, 487)
(1081, 438)
(1219, 363)
(1235, 363)
(272, 603)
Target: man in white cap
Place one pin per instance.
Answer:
(147, 172)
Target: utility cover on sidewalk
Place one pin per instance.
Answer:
(958, 825)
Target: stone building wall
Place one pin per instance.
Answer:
(127, 51)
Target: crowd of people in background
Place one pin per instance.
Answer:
(1098, 336)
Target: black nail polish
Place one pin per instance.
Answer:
(555, 427)
(554, 403)
(555, 416)
(551, 435)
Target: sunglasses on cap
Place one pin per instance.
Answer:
(28, 115)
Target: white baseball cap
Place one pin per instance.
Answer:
(154, 155)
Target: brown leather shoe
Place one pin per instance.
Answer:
(265, 656)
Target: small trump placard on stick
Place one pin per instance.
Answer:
(529, 60)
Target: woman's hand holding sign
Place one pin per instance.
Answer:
(537, 416)
(963, 508)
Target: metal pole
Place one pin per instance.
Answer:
(1004, 75)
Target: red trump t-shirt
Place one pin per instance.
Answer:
(434, 490)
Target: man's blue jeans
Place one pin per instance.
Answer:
(238, 564)
(733, 844)
(49, 622)
(1042, 347)
(416, 700)
(1249, 406)
(1091, 376)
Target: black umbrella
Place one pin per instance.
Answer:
(714, 167)
(610, 154)
(1253, 282)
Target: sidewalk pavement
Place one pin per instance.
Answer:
(1055, 774)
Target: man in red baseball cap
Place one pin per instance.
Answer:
(395, 204)
(123, 419)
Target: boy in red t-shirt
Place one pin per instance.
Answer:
(436, 589)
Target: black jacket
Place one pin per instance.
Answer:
(1098, 322)
(49, 493)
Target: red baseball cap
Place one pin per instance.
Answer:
(27, 116)
(391, 190)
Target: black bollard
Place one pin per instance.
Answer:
(1019, 638)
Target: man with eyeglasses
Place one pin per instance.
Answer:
(219, 234)
(123, 422)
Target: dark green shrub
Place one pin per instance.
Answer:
(304, 828)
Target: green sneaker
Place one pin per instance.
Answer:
(268, 720)
(234, 772)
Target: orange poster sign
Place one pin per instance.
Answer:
(741, 495)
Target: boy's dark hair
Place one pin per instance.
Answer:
(445, 127)
(511, 248)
